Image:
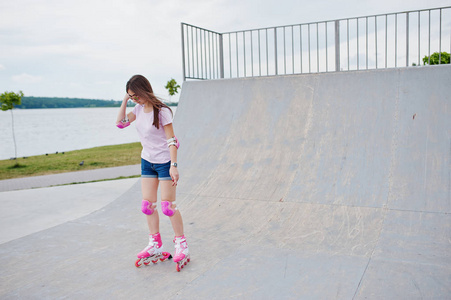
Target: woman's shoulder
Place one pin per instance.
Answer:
(165, 111)
(165, 116)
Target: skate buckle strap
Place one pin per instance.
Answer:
(179, 241)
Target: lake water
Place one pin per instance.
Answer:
(41, 131)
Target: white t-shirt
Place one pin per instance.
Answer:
(153, 140)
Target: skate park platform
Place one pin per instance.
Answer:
(319, 186)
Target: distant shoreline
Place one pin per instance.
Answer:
(55, 102)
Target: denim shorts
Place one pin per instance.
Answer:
(160, 171)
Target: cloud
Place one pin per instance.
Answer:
(104, 82)
(89, 49)
(75, 85)
(26, 78)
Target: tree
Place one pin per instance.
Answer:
(435, 57)
(8, 100)
(172, 87)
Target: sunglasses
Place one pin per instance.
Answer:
(133, 97)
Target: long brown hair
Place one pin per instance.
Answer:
(142, 88)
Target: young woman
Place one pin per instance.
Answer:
(158, 167)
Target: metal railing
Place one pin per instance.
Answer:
(371, 42)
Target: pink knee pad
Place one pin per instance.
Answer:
(166, 208)
(146, 207)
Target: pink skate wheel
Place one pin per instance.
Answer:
(146, 263)
(138, 263)
(165, 256)
(177, 267)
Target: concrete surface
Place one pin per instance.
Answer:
(33, 210)
(69, 177)
(323, 186)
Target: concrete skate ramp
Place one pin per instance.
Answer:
(323, 186)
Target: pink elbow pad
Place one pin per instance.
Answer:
(122, 125)
(173, 142)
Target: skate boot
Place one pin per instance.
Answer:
(153, 252)
(181, 256)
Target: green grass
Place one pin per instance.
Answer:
(94, 158)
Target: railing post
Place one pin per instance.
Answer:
(337, 45)
(275, 50)
(183, 53)
(440, 40)
(407, 39)
(221, 57)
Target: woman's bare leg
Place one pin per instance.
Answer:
(168, 193)
(149, 188)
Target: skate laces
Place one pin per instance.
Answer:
(180, 245)
(153, 243)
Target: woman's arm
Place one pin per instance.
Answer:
(169, 131)
(122, 111)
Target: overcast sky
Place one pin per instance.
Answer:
(90, 48)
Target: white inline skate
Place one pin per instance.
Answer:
(181, 256)
(153, 252)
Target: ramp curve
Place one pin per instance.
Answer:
(335, 180)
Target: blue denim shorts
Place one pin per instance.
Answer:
(160, 171)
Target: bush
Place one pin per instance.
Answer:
(444, 58)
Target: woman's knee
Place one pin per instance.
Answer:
(148, 207)
(168, 208)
